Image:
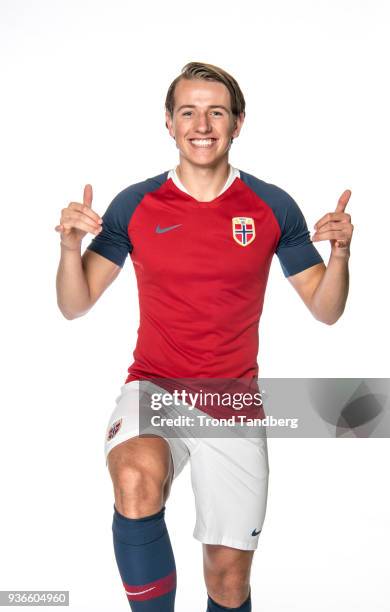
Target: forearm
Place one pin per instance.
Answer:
(329, 299)
(73, 295)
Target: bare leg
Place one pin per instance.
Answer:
(227, 574)
(141, 470)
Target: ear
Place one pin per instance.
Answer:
(238, 122)
(169, 124)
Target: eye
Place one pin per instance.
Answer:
(217, 112)
(187, 113)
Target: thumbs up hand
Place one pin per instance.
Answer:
(77, 220)
(336, 227)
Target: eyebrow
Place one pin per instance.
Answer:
(212, 106)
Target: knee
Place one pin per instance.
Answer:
(138, 490)
(228, 589)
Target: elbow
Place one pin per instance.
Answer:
(325, 313)
(70, 315)
(327, 320)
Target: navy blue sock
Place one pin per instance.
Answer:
(212, 606)
(145, 561)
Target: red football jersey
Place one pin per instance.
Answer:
(202, 270)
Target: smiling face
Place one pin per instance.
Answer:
(203, 123)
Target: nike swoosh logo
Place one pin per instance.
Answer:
(162, 230)
(140, 592)
(255, 533)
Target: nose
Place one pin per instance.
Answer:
(203, 123)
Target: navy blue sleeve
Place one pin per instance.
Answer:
(295, 250)
(114, 242)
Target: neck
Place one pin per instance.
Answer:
(203, 183)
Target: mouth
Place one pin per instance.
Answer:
(203, 143)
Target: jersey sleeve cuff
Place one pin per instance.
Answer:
(301, 259)
(109, 253)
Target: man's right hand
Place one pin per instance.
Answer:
(77, 220)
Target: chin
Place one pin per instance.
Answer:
(204, 163)
(204, 158)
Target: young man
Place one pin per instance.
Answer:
(201, 238)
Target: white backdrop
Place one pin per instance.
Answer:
(83, 90)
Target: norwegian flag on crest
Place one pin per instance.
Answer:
(243, 230)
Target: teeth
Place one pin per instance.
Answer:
(203, 142)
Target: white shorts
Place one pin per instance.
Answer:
(229, 475)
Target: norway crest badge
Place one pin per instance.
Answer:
(243, 230)
(114, 429)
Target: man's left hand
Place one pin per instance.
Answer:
(336, 227)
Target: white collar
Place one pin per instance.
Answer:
(233, 174)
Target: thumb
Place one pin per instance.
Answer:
(87, 197)
(343, 200)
